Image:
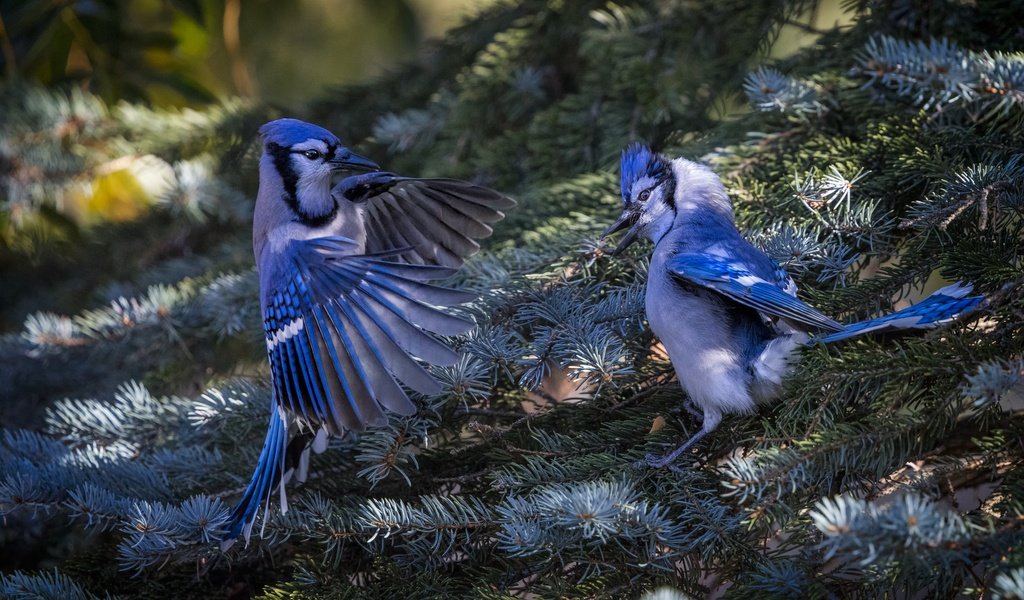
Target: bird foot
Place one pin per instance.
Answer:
(660, 462)
(656, 461)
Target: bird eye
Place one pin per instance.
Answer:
(311, 154)
(644, 195)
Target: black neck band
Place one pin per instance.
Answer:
(314, 221)
(290, 181)
(669, 183)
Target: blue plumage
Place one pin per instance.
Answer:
(340, 329)
(290, 132)
(727, 314)
(940, 307)
(348, 321)
(638, 161)
(269, 466)
(736, 282)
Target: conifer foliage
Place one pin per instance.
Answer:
(874, 164)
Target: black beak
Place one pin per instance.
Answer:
(345, 159)
(627, 219)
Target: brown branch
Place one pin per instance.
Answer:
(232, 43)
(10, 60)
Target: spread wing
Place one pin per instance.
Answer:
(343, 330)
(738, 283)
(432, 221)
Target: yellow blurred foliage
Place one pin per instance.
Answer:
(116, 196)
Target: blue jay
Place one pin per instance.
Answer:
(346, 310)
(727, 314)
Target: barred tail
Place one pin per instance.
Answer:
(943, 306)
(274, 468)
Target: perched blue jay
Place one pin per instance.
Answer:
(347, 315)
(727, 314)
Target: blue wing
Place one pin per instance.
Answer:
(738, 283)
(343, 332)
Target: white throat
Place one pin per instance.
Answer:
(662, 219)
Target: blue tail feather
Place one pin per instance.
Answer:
(943, 306)
(267, 474)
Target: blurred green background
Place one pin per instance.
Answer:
(140, 61)
(169, 54)
(179, 52)
(152, 58)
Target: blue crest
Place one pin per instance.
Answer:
(638, 161)
(288, 132)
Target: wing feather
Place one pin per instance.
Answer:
(412, 340)
(394, 357)
(433, 221)
(380, 236)
(317, 374)
(459, 214)
(737, 283)
(346, 331)
(361, 398)
(332, 371)
(437, 225)
(388, 393)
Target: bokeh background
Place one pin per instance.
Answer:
(872, 147)
(183, 52)
(167, 55)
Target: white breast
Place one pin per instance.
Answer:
(695, 332)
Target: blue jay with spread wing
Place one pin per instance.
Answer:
(347, 312)
(726, 313)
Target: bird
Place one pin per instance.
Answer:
(348, 313)
(727, 314)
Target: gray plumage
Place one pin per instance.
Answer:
(728, 315)
(348, 313)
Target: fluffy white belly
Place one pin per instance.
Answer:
(696, 334)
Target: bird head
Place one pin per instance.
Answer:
(648, 195)
(305, 156)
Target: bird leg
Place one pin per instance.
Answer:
(712, 418)
(658, 462)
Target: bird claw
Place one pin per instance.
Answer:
(659, 462)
